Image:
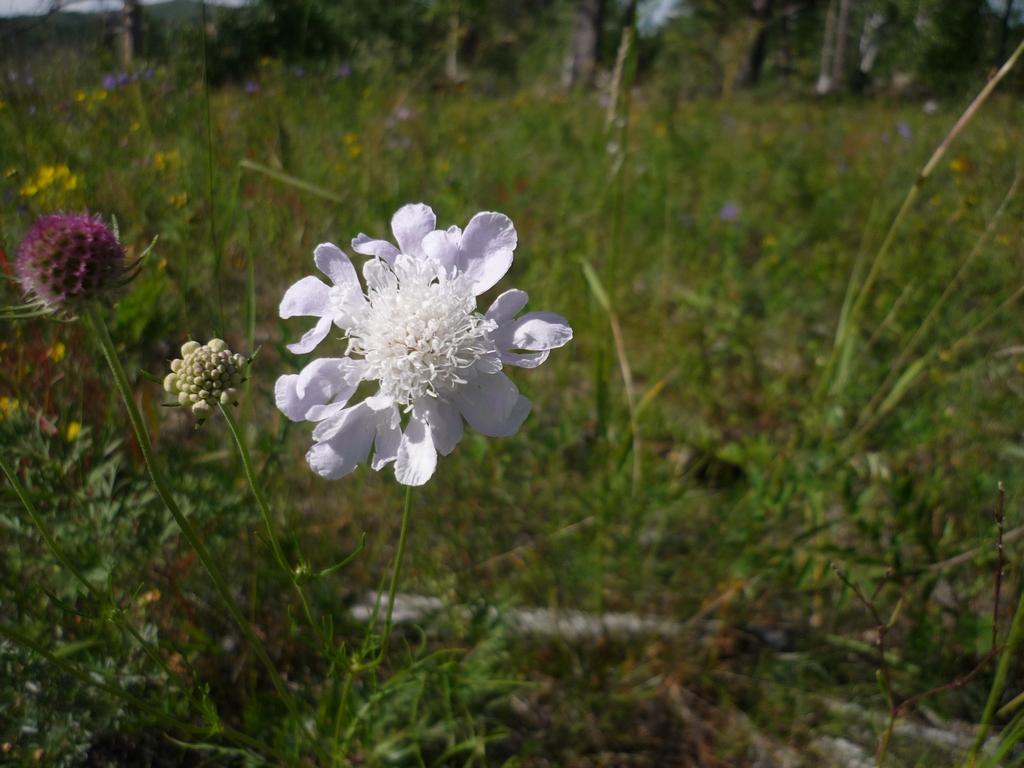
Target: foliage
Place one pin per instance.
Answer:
(724, 234)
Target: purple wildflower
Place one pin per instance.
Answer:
(65, 261)
(251, 86)
(904, 130)
(344, 70)
(729, 212)
(109, 83)
(298, 72)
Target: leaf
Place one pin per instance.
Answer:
(293, 181)
(595, 286)
(903, 384)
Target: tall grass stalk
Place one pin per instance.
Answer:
(97, 325)
(848, 322)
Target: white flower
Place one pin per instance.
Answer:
(416, 332)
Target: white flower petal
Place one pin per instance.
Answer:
(333, 262)
(492, 405)
(417, 457)
(344, 441)
(308, 297)
(370, 247)
(445, 424)
(507, 306)
(312, 337)
(443, 247)
(331, 377)
(528, 360)
(317, 384)
(385, 448)
(321, 412)
(533, 331)
(411, 224)
(486, 250)
(287, 400)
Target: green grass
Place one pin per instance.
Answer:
(747, 483)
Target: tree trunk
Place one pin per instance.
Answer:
(761, 10)
(1004, 32)
(784, 65)
(586, 43)
(131, 32)
(842, 32)
(825, 78)
(869, 48)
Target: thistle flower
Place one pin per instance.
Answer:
(66, 261)
(416, 332)
(206, 376)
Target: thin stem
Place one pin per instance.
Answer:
(357, 669)
(99, 329)
(912, 194)
(933, 312)
(254, 485)
(268, 516)
(393, 589)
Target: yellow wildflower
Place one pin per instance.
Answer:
(73, 430)
(179, 200)
(8, 405)
(57, 352)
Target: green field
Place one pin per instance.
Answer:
(718, 489)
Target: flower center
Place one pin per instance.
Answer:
(419, 332)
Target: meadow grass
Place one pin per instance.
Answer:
(725, 234)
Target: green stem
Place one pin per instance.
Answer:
(883, 250)
(268, 516)
(99, 329)
(254, 485)
(1006, 660)
(357, 669)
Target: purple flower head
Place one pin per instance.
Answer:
(298, 72)
(344, 70)
(251, 86)
(122, 78)
(148, 74)
(904, 130)
(65, 261)
(729, 212)
(109, 83)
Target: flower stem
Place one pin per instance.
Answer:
(1006, 660)
(357, 668)
(268, 517)
(254, 484)
(99, 329)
